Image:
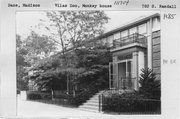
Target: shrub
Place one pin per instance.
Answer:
(150, 87)
(33, 96)
(46, 97)
(147, 99)
(130, 102)
(82, 97)
(62, 96)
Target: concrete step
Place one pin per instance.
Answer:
(92, 101)
(90, 107)
(89, 110)
(91, 104)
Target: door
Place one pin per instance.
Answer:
(124, 74)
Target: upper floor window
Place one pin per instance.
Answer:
(110, 40)
(117, 35)
(142, 29)
(156, 24)
(124, 33)
(132, 30)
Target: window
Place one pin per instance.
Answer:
(124, 33)
(110, 40)
(156, 24)
(116, 35)
(142, 29)
(133, 30)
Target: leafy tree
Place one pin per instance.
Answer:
(38, 47)
(70, 28)
(150, 87)
(96, 63)
(20, 64)
(88, 66)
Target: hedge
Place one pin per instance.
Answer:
(35, 95)
(130, 103)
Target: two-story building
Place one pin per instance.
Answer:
(134, 46)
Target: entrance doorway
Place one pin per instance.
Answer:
(124, 74)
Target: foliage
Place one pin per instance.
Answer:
(150, 87)
(20, 64)
(95, 61)
(130, 102)
(29, 51)
(69, 28)
(83, 96)
(88, 57)
(38, 47)
(50, 80)
(51, 72)
(33, 96)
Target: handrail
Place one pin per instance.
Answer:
(135, 37)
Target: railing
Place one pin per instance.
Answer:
(126, 83)
(129, 104)
(134, 38)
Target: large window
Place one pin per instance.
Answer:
(116, 35)
(133, 30)
(156, 24)
(124, 33)
(110, 40)
(142, 29)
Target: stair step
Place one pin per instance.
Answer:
(94, 98)
(90, 110)
(90, 107)
(92, 101)
(91, 104)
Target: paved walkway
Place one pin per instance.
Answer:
(37, 109)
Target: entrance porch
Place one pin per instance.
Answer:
(126, 68)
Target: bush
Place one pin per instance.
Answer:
(130, 102)
(33, 96)
(82, 97)
(46, 97)
(150, 87)
(62, 96)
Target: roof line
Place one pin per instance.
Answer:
(127, 25)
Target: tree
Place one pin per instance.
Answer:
(20, 64)
(70, 28)
(95, 61)
(38, 47)
(88, 66)
(150, 87)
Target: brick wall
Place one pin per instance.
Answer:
(156, 53)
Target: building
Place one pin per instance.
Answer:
(134, 46)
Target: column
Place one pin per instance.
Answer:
(115, 72)
(141, 62)
(135, 70)
(149, 43)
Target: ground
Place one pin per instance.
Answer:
(37, 109)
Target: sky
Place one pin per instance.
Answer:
(27, 21)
